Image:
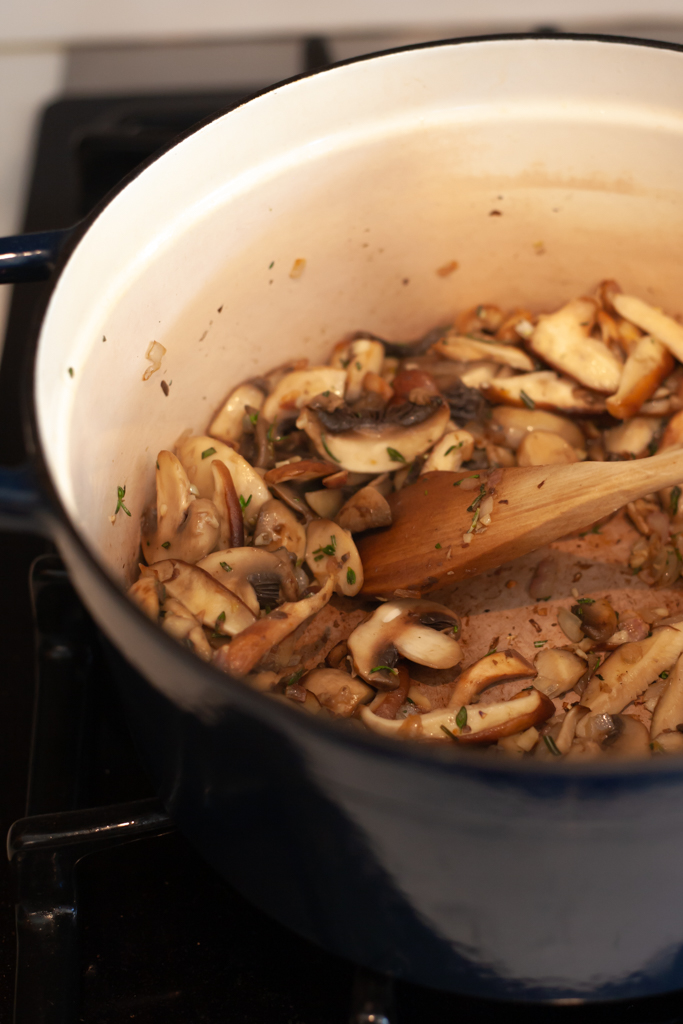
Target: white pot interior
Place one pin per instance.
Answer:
(377, 174)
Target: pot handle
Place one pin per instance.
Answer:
(30, 257)
(23, 508)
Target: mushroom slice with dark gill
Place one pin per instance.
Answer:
(179, 523)
(212, 604)
(421, 631)
(260, 578)
(197, 453)
(494, 668)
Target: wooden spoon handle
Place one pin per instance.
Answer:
(424, 549)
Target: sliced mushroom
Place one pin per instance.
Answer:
(278, 527)
(652, 320)
(407, 627)
(181, 624)
(558, 671)
(363, 356)
(228, 505)
(379, 449)
(300, 472)
(646, 367)
(211, 603)
(668, 743)
(197, 455)
(326, 502)
(330, 551)
(337, 690)
(631, 668)
(227, 424)
(673, 435)
(494, 668)
(481, 723)
(632, 438)
(179, 524)
(570, 625)
(240, 656)
(630, 739)
(450, 452)
(455, 346)
(517, 423)
(543, 389)
(145, 594)
(364, 510)
(541, 448)
(563, 340)
(294, 390)
(668, 713)
(598, 618)
(565, 737)
(257, 576)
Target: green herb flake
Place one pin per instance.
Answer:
(350, 577)
(652, 447)
(437, 546)
(244, 503)
(271, 264)
(121, 493)
(634, 572)
(599, 676)
(394, 455)
(586, 600)
(663, 675)
(449, 733)
(455, 628)
(253, 417)
(157, 464)
(673, 500)
(593, 529)
(358, 366)
(166, 544)
(220, 619)
(529, 402)
(552, 746)
(208, 452)
(328, 549)
(294, 678)
(539, 643)
(384, 668)
(461, 718)
(475, 503)
(269, 432)
(71, 371)
(324, 444)
(224, 565)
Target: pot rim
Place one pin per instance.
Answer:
(438, 757)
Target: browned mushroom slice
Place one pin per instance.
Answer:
(558, 671)
(241, 655)
(179, 524)
(457, 347)
(494, 668)
(227, 424)
(145, 594)
(652, 320)
(337, 690)
(294, 390)
(364, 510)
(338, 479)
(645, 368)
(212, 604)
(631, 668)
(258, 577)
(197, 455)
(475, 723)
(517, 423)
(301, 471)
(598, 618)
(668, 713)
(181, 624)
(629, 740)
(330, 551)
(543, 389)
(278, 527)
(229, 509)
(632, 438)
(673, 434)
(408, 627)
(450, 452)
(380, 449)
(541, 448)
(563, 340)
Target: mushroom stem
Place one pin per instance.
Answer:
(226, 501)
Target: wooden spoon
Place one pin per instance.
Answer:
(423, 549)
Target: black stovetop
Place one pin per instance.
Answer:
(162, 936)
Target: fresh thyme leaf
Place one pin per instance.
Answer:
(384, 668)
(409, 701)
(166, 544)
(157, 464)
(220, 618)
(539, 643)
(358, 366)
(437, 546)
(455, 628)
(121, 493)
(461, 718)
(328, 549)
(593, 529)
(586, 600)
(271, 264)
(294, 678)
(475, 503)
(529, 402)
(269, 432)
(449, 733)
(673, 500)
(243, 503)
(663, 675)
(253, 416)
(333, 457)
(350, 577)
(394, 455)
(224, 565)
(552, 746)
(599, 676)
(208, 452)
(71, 371)
(475, 520)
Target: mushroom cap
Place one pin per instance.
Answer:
(330, 551)
(404, 627)
(295, 389)
(337, 690)
(378, 449)
(227, 424)
(277, 527)
(364, 510)
(211, 603)
(241, 569)
(192, 453)
(181, 524)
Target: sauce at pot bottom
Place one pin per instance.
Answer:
(575, 652)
